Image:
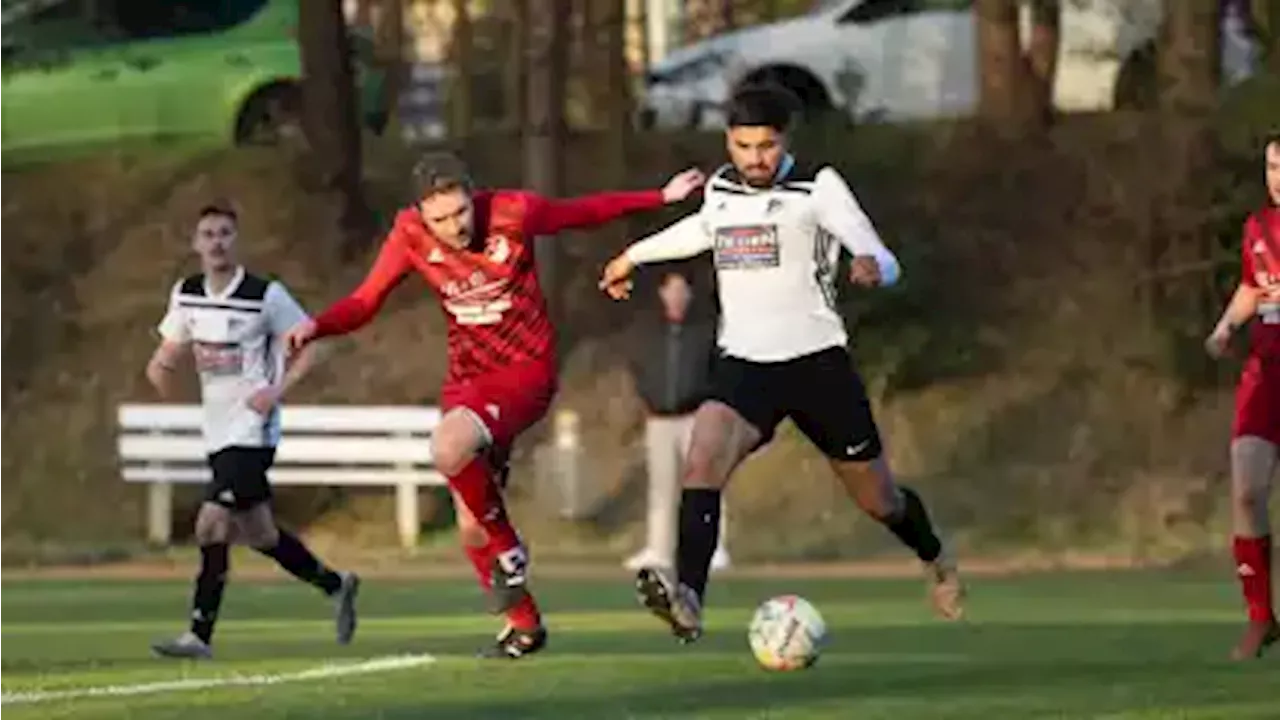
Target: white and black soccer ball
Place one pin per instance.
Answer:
(787, 633)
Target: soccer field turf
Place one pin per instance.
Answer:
(1148, 645)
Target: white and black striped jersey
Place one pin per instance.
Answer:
(234, 337)
(776, 252)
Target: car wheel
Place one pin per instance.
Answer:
(271, 116)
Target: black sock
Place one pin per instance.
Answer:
(699, 531)
(913, 527)
(298, 561)
(214, 560)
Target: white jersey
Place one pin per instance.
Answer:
(234, 337)
(776, 252)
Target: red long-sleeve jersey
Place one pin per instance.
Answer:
(496, 311)
(1261, 269)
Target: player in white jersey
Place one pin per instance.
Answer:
(776, 228)
(231, 322)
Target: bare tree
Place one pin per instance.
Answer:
(389, 41)
(999, 59)
(1188, 73)
(1188, 56)
(515, 18)
(1017, 87)
(617, 99)
(1042, 56)
(548, 59)
(330, 114)
(462, 72)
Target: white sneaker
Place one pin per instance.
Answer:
(720, 560)
(645, 558)
(186, 645)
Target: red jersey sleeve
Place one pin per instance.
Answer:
(357, 309)
(550, 215)
(1248, 274)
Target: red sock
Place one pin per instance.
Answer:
(475, 485)
(481, 562)
(1253, 565)
(525, 616)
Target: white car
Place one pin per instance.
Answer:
(906, 59)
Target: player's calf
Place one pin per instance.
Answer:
(901, 510)
(257, 528)
(1253, 462)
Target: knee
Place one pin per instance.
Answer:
(451, 451)
(213, 525)
(700, 471)
(260, 534)
(1249, 496)
(872, 490)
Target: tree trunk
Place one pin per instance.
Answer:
(546, 134)
(1188, 72)
(389, 38)
(515, 74)
(999, 60)
(462, 66)
(1042, 57)
(330, 114)
(617, 97)
(1188, 58)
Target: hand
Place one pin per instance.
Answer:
(1219, 341)
(616, 280)
(864, 271)
(298, 337)
(265, 398)
(682, 185)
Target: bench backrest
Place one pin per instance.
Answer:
(320, 444)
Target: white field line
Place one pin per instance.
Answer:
(332, 670)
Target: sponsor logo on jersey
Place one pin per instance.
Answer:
(747, 247)
(498, 248)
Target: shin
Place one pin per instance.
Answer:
(721, 440)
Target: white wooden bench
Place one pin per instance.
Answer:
(320, 445)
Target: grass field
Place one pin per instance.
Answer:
(1122, 645)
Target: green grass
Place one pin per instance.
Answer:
(1141, 645)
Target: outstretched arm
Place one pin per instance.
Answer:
(840, 214)
(357, 309)
(684, 239)
(548, 216)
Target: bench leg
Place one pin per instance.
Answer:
(407, 514)
(159, 512)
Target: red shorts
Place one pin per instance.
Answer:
(508, 401)
(1258, 400)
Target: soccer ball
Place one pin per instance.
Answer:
(786, 633)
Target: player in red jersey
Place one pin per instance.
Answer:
(1255, 443)
(476, 251)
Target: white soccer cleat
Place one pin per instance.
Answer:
(186, 645)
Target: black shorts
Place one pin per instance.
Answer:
(240, 477)
(821, 393)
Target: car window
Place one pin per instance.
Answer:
(43, 27)
(147, 19)
(871, 11)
